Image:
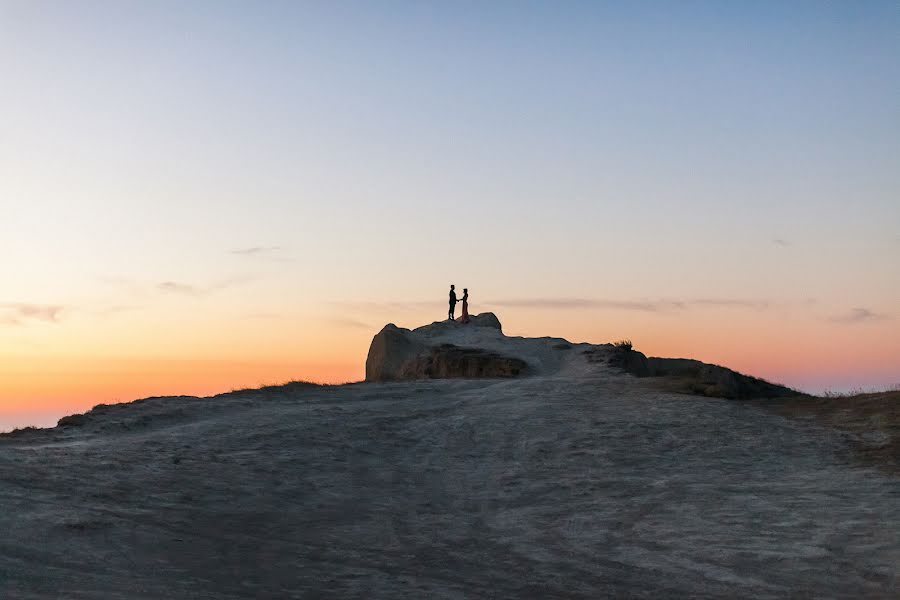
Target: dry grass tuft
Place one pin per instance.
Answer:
(623, 345)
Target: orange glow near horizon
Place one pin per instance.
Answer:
(41, 388)
(57, 387)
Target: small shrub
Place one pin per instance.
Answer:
(72, 421)
(20, 431)
(847, 394)
(287, 386)
(623, 345)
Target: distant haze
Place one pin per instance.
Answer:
(206, 195)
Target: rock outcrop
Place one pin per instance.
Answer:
(398, 354)
(713, 380)
(448, 361)
(695, 377)
(487, 319)
(390, 353)
(452, 349)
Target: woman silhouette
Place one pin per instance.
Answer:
(465, 303)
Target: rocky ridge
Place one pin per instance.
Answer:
(479, 349)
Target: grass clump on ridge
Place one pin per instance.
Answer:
(623, 345)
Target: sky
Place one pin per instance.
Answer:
(201, 196)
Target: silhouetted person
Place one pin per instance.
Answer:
(465, 302)
(452, 301)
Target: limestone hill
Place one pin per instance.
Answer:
(479, 349)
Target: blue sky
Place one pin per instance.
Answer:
(562, 160)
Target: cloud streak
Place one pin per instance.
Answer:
(731, 303)
(17, 313)
(661, 306)
(389, 307)
(173, 287)
(262, 253)
(189, 289)
(581, 303)
(651, 306)
(256, 250)
(858, 315)
(350, 323)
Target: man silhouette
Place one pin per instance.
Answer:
(452, 301)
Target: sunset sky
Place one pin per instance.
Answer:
(198, 196)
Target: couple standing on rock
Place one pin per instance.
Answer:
(465, 303)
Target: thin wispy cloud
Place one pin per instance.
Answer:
(389, 307)
(582, 303)
(256, 250)
(652, 306)
(174, 287)
(640, 305)
(189, 289)
(17, 313)
(858, 315)
(730, 303)
(262, 253)
(350, 323)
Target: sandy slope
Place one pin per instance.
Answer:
(580, 483)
